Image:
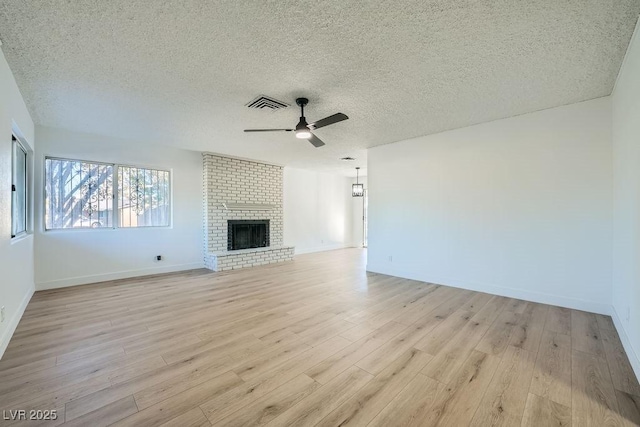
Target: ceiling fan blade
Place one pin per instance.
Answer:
(268, 130)
(338, 117)
(317, 142)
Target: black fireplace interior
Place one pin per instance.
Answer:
(246, 234)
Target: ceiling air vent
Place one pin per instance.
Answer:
(268, 104)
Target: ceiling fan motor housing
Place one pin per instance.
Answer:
(302, 128)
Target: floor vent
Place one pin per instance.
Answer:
(265, 103)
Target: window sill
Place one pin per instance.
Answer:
(20, 237)
(104, 229)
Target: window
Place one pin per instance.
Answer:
(18, 188)
(83, 194)
(143, 197)
(78, 194)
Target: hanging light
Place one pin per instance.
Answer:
(357, 190)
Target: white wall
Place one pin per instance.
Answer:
(16, 256)
(626, 203)
(520, 207)
(317, 210)
(71, 257)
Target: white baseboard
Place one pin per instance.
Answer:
(300, 251)
(574, 303)
(83, 280)
(626, 344)
(13, 323)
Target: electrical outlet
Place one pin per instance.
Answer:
(1, 314)
(390, 258)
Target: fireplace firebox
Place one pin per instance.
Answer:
(247, 234)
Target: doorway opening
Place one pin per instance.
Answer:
(365, 218)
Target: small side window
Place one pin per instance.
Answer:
(18, 188)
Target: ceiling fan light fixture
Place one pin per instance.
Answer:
(303, 134)
(302, 131)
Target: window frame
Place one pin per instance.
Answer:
(116, 185)
(115, 193)
(17, 144)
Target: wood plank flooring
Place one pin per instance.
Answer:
(315, 341)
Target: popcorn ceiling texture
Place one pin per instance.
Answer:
(228, 180)
(179, 72)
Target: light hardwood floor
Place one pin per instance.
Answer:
(315, 341)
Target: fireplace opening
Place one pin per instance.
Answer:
(247, 234)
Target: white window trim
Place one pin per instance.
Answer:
(16, 141)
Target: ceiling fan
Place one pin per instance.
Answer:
(303, 129)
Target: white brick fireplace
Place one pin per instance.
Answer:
(237, 189)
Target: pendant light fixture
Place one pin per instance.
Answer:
(357, 189)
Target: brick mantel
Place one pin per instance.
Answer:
(229, 180)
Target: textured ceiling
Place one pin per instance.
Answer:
(180, 72)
